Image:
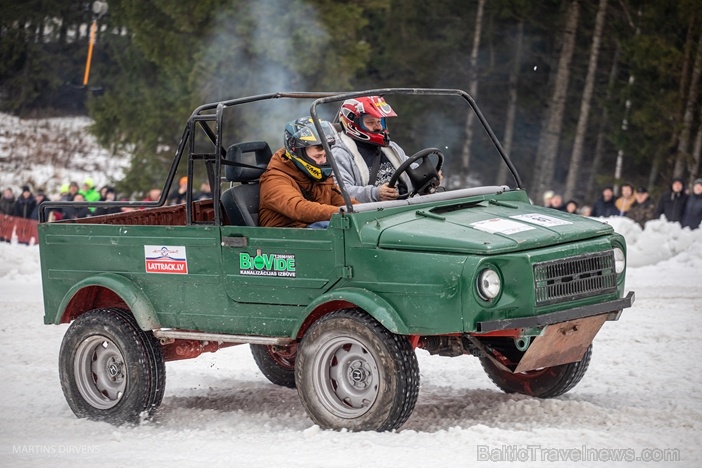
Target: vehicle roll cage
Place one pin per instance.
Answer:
(214, 112)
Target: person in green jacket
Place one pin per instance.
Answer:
(89, 192)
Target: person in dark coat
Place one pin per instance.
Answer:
(205, 191)
(7, 202)
(39, 198)
(643, 208)
(557, 202)
(25, 203)
(71, 192)
(672, 203)
(179, 194)
(692, 216)
(571, 207)
(74, 212)
(604, 206)
(110, 195)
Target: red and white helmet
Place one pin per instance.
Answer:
(351, 118)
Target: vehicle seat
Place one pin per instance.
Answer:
(245, 164)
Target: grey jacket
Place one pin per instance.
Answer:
(354, 170)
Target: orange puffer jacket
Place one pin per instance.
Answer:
(282, 201)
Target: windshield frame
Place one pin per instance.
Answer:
(406, 91)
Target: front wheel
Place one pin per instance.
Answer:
(352, 373)
(547, 382)
(110, 369)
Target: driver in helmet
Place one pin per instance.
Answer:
(366, 157)
(296, 189)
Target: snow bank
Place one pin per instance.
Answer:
(19, 263)
(46, 153)
(658, 241)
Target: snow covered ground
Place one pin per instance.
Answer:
(640, 398)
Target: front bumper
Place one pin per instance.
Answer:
(565, 337)
(614, 308)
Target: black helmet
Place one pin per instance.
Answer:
(300, 134)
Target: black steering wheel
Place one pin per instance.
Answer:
(425, 177)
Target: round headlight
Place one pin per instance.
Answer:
(619, 260)
(488, 284)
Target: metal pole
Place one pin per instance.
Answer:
(93, 29)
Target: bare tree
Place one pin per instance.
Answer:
(684, 142)
(678, 116)
(512, 106)
(591, 190)
(545, 163)
(472, 86)
(574, 168)
(696, 151)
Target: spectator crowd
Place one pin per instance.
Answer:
(677, 204)
(26, 204)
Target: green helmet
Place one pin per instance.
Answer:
(300, 134)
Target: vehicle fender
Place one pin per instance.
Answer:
(364, 299)
(130, 293)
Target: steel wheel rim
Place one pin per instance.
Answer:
(100, 372)
(346, 377)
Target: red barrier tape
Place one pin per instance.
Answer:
(23, 230)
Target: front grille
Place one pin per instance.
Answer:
(574, 278)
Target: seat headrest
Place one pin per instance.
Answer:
(251, 153)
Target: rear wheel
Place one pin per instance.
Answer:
(354, 374)
(547, 382)
(277, 363)
(110, 369)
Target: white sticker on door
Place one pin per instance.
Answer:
(166, 259)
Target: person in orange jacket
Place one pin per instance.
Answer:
(626, 200)
(296, 189)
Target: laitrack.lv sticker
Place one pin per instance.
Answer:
(502, 226)
(267, 264)
(166, 259)
(541, 219)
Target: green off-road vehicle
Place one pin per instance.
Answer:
(337, 313)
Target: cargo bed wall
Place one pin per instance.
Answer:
(203, 212)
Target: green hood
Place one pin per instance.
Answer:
(484, 228)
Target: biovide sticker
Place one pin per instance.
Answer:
(166, 259)
(267, 264)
